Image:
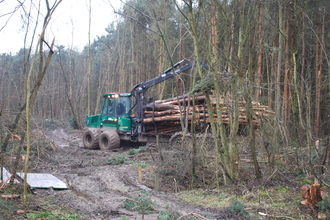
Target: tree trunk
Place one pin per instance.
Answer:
(319, 72)
(303, 59)
(286, 75)
(89, 74)
(260, 52)
(279, 61)
(31, 94)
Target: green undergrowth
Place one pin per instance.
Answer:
(117, 159)
(141, 164)
(325, 206)
(167, 214)
(213, 199)
(7, 209)
(277, 195)
(276, 201)
(237, 208)
(52, 215)
(38, 207)
(142, 204)
(134, 151)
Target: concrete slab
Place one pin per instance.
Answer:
(43, 180)
(37, 180)
(6, 175)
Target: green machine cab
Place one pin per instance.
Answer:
(115, 113)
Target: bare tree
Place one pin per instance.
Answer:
(90, 62)
(32, 90)
(9, 15)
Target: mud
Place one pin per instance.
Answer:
(96, 189)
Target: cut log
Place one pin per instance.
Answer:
(167, 112)
(185, 100)
(162, 107)
(148, 114)
(167, 118)
(10, 196)
(312, 193)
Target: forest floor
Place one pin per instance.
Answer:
(99, 183)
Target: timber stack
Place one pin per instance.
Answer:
(168, 114)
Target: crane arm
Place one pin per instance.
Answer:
(140, 89)
(169, 73)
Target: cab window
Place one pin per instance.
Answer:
(123, 106)
(108, 107)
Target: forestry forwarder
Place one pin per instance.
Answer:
(116, 122)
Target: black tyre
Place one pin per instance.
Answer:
(176, 140)
(91, 138)
(177, 155)
(180, 148)
(109, 140)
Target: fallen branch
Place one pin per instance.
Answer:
(11, 196)
(274, 216)
(195, 215)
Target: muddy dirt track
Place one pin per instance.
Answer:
(95, 187)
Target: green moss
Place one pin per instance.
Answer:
(205, 198)
(52, 215)
(284, 189)
(262, 193)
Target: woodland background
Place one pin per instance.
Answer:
(277, 50)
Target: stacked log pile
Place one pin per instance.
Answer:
(166, 114)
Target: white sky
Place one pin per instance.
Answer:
(69, 24)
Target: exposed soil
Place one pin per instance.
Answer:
(96, 188)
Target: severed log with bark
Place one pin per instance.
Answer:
(198, 99)
(311, 193)
(169, 112)
(168, 118)
(163, 107)
(149, 114)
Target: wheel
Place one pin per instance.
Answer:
(180, 148)
(109, 140)
(91, 138)
(176, 140)
(177, 155)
